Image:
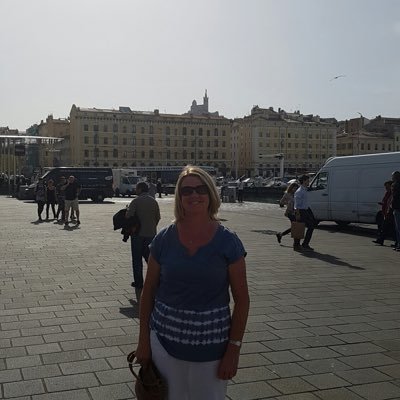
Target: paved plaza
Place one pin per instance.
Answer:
(323, 325)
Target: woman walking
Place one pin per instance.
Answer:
(288, 200)
(186, 326)
(40, 197)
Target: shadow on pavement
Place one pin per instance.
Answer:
(130, 312)
(359, 230)
(329, 259)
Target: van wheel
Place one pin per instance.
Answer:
(128, 193)
(342, 224)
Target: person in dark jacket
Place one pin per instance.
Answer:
(396, 206)
(51, 199)
(385, 228)
(40, 197)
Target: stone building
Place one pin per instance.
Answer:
(127, 138)
(379, 135)
(262, 138)
(57, 154)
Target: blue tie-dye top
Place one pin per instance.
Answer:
(191, 315)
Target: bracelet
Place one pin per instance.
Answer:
(237, 343)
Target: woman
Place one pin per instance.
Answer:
(185, 322)
(288, 200)
(40, 197)
(51, 198)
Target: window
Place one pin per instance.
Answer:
(133, 128)
(215, 155)
(86, 140)
(86, 153)
(200, 131)
(105, 128)
(201, 143)
(125, 154)
(216, 142)
(115, 127)
(216, 132)
(151, 141)
(115, 140)
(184, 131)
(105, 153)
(167, 130)
(142, 129)
(96, 138)
(362, 146)
(124, 129)
(184, 142)
(192, 132)
(167, 142)
(96, 128)
(86, 128)
(369, 146)
(133, 141)
(115, 153)
(208, 132)
(96, 153)
(151, 154)
(151, 129)
(124, 141)
(320, 182)
(376, 146)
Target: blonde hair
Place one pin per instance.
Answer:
(290, 188)
(214, 200)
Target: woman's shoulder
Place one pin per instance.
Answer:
(166, 231)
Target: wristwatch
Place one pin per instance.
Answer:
(237, 343)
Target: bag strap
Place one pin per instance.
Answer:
(131, 358)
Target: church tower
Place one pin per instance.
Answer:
(205, 102)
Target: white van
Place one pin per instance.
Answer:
(348, 189)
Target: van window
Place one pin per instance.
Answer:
(320, 182)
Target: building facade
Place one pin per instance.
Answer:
(379, 135)
(127, 138)
(261, 139)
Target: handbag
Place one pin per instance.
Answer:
(298, 230)
(149, 383)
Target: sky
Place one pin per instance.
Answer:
(163, 54)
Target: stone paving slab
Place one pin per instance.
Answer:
(322, 325)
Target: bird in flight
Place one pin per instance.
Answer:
(337, 77)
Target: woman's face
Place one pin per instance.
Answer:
(194, 202)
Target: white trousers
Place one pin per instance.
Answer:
(188, 380)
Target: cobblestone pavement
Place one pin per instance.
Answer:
(322, 325)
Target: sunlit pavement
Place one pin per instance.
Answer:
(323, 325)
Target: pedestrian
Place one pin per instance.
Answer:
(186, 327)
(304, 214)
(396, 206)
(146, 209)
(152, 189)
(51, 198)
(60, 193)
(72, 189)
(40, 196)
(288, 200)
(159, 188)
(240, 190)
(385, 227)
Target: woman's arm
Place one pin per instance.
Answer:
(143, 350)
(237, 279)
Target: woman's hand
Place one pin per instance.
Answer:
(229, 363)
(143, 353)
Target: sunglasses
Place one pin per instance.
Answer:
(188, 190)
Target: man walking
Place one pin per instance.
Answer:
(396, 206)
(72, 190)
(303, 214)
(147, 211)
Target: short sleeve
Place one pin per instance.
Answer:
(157, 244)
(234, 248)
